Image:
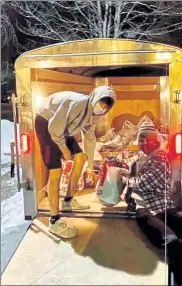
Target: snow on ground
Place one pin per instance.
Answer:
(13, 225)
(12, 214)
(4, 170)
(7, 136)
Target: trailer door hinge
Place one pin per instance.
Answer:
(26, 185)
(22, 99)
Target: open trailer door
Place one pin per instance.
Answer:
(175, 76)
(23, 103)
(14, 146)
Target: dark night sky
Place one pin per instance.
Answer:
(174, 38)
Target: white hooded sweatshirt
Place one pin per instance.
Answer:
(69, 113)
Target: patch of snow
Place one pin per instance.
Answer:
(5, 170)
(11, 182)
(7, 136)
(13, 224)
(13, 227)
(12, 214)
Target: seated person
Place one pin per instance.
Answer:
(149, 194)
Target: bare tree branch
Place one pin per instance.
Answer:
(57, 21)
(8, 34)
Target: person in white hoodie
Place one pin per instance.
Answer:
(62, 116)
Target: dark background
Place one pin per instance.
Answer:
(22, 28)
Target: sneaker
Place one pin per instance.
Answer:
(62, 230)
(74, 205)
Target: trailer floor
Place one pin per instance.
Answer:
(85, 197)
(106, 252)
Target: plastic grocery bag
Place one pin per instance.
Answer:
(64, 181)
(110, 186)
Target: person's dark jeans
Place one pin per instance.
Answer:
(160, 235)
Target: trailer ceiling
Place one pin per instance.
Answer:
(153, 70)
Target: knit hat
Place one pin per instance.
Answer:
(147, 126)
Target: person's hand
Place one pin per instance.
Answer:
(91, 173)
(123, 195)
(105, 160)
(124, 172)
(66, 152)
(90, 177)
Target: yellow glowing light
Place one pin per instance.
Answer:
(163, 56)
(38, 101)
(42, 63)
(179, 143)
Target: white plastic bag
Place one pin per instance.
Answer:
(112, 187)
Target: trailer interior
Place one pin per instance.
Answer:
(137, 96)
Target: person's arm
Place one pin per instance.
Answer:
(129, 162)
(58, 123)
(89, 145)
(154, 177)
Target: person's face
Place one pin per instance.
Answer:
(103, 105)
(100, 108)
(148, 142)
